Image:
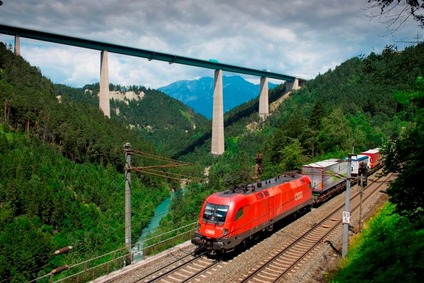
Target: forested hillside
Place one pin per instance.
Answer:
(158, 118)
(61, 176)
(162, 120)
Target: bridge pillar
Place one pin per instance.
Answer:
(104, 103)
(263, 99)
(294, 85)
(217, 147)
(17, 45)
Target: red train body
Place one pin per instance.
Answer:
(229, 218)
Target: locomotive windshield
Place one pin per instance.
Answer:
(215, 212)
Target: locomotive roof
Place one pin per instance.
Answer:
(260, 186)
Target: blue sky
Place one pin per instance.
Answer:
(298, 38)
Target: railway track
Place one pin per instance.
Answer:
(284, 260)
(181, 270)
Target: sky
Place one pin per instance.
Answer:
(301, 38)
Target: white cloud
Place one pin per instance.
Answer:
(299, 38)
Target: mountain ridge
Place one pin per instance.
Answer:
(198, 93)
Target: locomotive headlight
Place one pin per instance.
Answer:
(225, 232)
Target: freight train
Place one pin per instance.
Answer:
(230, 218)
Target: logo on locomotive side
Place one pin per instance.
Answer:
(298, 196)
(210, 232)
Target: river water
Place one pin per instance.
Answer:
(160, 212)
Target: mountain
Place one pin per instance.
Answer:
(198, 94)
(160, 119)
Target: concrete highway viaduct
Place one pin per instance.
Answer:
(217, 147)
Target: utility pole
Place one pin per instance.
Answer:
(363, 182)
(361, 192)
(128, 152)
(346, 212)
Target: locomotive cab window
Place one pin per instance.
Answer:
(239, 214)
(215, 212)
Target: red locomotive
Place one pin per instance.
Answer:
(231, 217)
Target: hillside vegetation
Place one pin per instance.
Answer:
(61, 176)
(158, 118)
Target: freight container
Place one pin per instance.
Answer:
(325, 174)
(356, 162)
(375, 157)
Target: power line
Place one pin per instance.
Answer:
(166, 174)
(416, 41)
(159, 157)
(169, 163)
